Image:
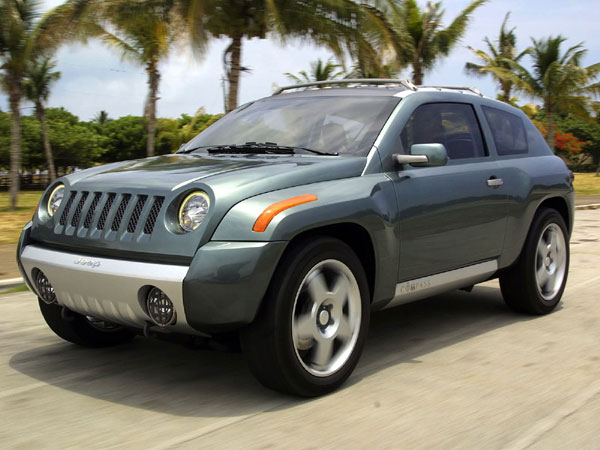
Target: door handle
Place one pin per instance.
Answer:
(495, 182)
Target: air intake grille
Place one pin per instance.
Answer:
(120, 211)
(151, 221)
(90, 214)
(105, 211)
(65, 214)
(109, 211)
(137, 212)
(77, 214)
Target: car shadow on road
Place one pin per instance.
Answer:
(169, 378)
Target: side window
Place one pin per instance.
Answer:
(508, 131)
(452, 124)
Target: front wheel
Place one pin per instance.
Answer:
(537, 281)
(308, 337)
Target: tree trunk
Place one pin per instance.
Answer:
(15, 141)
(417, 77)
(506, 88)
(233, 76)
(41, 116)
(550, 136)
(150, 113)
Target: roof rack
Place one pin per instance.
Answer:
(455, 88)
(361, 81)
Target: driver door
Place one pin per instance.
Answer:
(450, 216)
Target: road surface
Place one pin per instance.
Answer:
(455, 371)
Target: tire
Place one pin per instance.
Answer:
(535, 284)
(80, 330)
(306, 340)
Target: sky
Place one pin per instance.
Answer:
(94, 78)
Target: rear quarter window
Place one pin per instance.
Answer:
(508, 131)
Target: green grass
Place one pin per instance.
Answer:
(586, 184)
(15, 289)
(12, 222)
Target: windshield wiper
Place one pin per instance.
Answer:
(256, 147)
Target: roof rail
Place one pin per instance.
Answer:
(363, 81)
(455, 88)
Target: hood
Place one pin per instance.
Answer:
(254, 174)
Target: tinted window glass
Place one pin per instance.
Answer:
(508, 131)
(452, 124)
(347, 125)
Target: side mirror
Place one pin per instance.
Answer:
(424, 155)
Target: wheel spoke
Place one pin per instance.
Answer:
(304, 326)
(344, 330)
(541, 251)
(317, 287)
(339, 295)
(553, 240)
(322, 351)
(542, 276)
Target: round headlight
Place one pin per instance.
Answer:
(55, 199)
(193, 210)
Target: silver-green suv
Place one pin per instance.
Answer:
(291, 218)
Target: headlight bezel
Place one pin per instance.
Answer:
(53, 192)
(185, 202)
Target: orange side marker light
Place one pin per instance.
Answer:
(271, 211)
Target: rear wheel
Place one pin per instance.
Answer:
(83, 330)
(308, 337)
(537, 281)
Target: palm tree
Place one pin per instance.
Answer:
(22, 39)
(40, 76)
(419, 32)
(334, 24)
(498, 59)
(319, 71)
(143, 32)
(101, 117)
(17, 27)
(557, 79)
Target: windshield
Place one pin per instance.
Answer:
(344, 125)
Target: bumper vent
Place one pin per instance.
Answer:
(110, 212)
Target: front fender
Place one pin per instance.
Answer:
(368, 201)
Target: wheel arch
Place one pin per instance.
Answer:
(560, 205)
(353, 235)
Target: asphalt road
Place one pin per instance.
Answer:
(454, 371)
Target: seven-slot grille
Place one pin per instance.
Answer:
(109, 211)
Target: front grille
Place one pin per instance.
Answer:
(106, 210)
(110, 211)
(149, 227)
(120, 211)
(65, 214)
(135, 215)
(77, 214)
(90, 214)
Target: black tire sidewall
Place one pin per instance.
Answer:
(528, 263)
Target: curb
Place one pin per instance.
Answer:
(590, 206)
(11, 283)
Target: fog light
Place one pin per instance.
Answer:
(45, 289)
(160, 308)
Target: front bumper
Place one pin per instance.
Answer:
(221, 290)
(110, 289)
